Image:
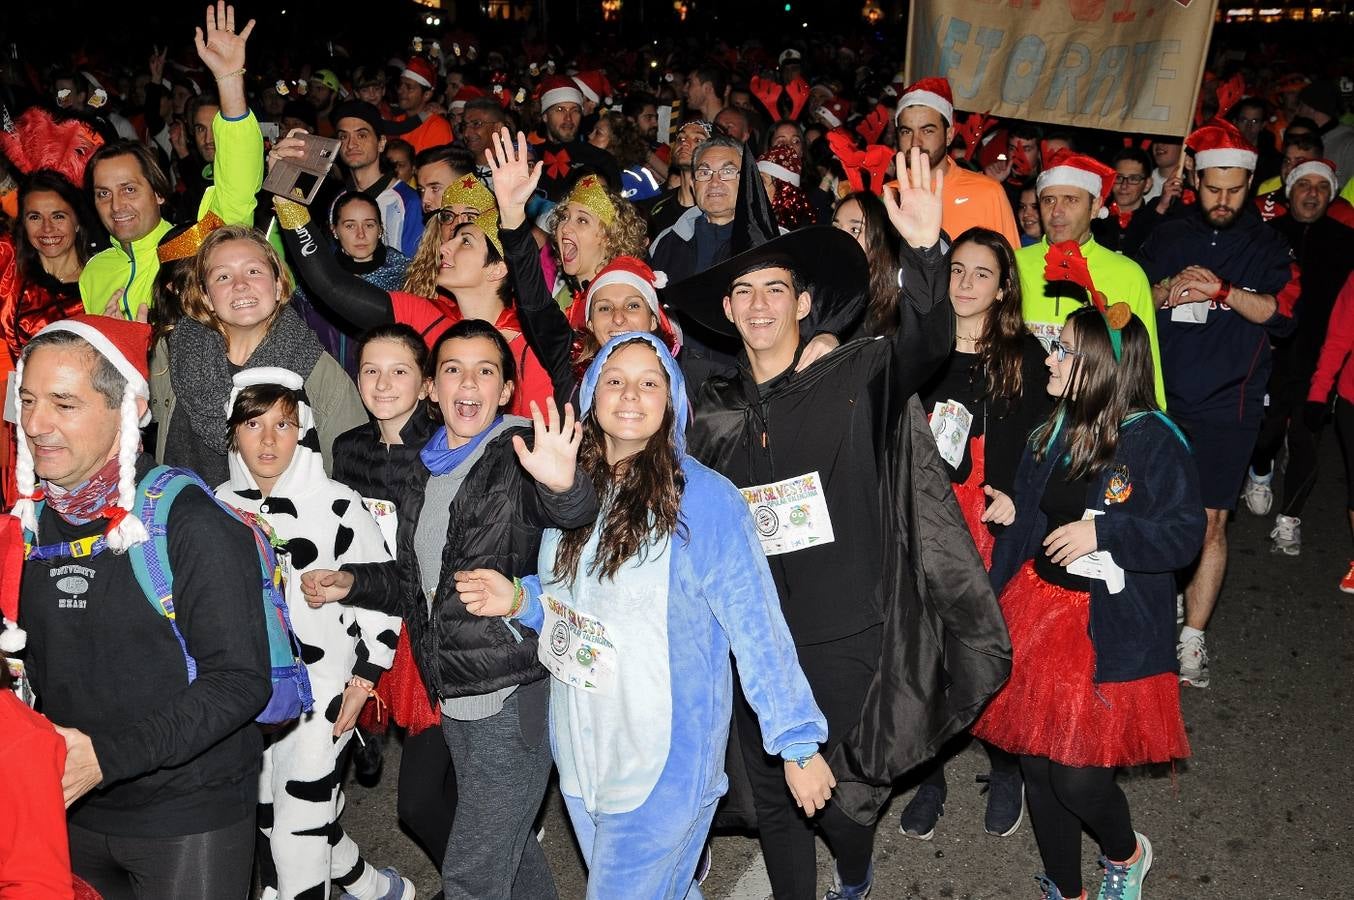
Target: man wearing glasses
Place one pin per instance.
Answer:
(1131, 218)
(681, 194)
(700, 236)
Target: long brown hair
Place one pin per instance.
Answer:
(1001, 344)
(881, 315)
(642, 496)
(1101, 393)
(196, 304)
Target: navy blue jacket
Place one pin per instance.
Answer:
(1157, 530)
(1216, 372)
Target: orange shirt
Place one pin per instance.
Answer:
(972, 199)
(434, 131)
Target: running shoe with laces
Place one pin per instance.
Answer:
(400, 888)
(1123, 881)
(1193, 656)
(840, 891)
(1005, 802)
(1347, 583)
(922, 812)
(1050, 890)
(1257, 494)
(1287, 535)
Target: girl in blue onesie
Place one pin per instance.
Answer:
(637, 615)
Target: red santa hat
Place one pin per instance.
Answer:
(781, 163)
(626, 270)
(420, 71)
(465, 94)
(558, 89)
(1323, 168)
(594, 85)
(834, 112)
(932, 92)
(1067, 168)
(1219, 145)
(126, 345)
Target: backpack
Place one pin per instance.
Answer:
(291, 695)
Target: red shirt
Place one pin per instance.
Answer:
(34, 854)
(432, 317)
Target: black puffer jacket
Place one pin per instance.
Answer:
(375, 469)
(495, 523)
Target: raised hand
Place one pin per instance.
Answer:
(554, 452)
(156, 64)
(220, 48)
(515, 178)
(914, 206)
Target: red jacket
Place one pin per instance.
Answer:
(1339, 342)
(34, 856)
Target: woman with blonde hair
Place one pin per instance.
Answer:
(237, 315)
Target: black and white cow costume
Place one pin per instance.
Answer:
(324, 525)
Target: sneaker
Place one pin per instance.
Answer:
(1050, 890)
(1287, 535)
(1257, 494)
(1347, 583)
(401, 888)
(922, 812)
(1124, 881)
(1005, 802)
(1193, 657)
(703, 864)
(840, 891)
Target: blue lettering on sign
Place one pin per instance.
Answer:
(1023, 69)
(1110, 69)
(1066, 76)
(988, 39)
(956, 33)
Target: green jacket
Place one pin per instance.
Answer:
(239, 175)
(1119, 278)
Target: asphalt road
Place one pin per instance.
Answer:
(1264, 808)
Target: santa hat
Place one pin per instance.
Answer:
(1219, 145)
(594, 85)
(932, 92)
(1067, 168)
(1320, 167)
(627, 270)
(834, 112)
(420, 71)
(782, 163)
(789, 203)
(465, 94)
(126, 346)
(558, 89)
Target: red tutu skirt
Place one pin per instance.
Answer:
(400, 693)
(973, 502)
(1051, 707)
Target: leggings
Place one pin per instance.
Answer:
(1344, 429)
(839, 673)
(1002, 763)
(426, 798)
(213, 865)
(1062, 799)
(1283, 419)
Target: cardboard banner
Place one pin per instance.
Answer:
(1122, 65)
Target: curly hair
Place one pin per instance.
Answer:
(198, 306)
(420, 279)
(627, 235)
(627, 144)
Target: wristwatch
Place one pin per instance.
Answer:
(803, 761)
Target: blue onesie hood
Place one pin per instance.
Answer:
(676, 383)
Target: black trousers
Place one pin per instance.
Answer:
(1062, 799)
(839, 673)
(1283, 419)
(426, 796)
(213, 865)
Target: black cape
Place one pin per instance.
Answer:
(945, 650)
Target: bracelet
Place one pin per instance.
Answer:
(240, 71)
(519, 598)
(360, 682)
(1223, 292)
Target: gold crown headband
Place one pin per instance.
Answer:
(469, 191)
(188, 243)
(591, 195)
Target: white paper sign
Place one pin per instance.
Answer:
(576, 648)
(1190, 313)
(950, 423)
(791, 514)
(383, 511)
(1098, 564)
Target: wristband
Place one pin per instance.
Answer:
(1223, 292)
(519, 599)
(240, 71)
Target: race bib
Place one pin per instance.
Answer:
(950, 423)
(791, 514)
(576, 648)
(383, 511)
(1098, 564)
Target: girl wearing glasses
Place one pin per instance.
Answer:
(984, 401)
(1094, 676)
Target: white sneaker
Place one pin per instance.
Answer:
(1287, 535)
(1193, 657)
(1257, 494)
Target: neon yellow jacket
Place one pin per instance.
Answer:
(239, 175)
(1119, 278)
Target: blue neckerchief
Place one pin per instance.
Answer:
(439, 460)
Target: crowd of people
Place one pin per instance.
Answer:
(736, 435)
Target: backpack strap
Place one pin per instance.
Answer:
(150, 559)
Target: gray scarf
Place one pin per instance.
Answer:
(200, 373)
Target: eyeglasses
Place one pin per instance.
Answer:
(1062, 350)
(728, 172)
(1129, 179)
(448, 216)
